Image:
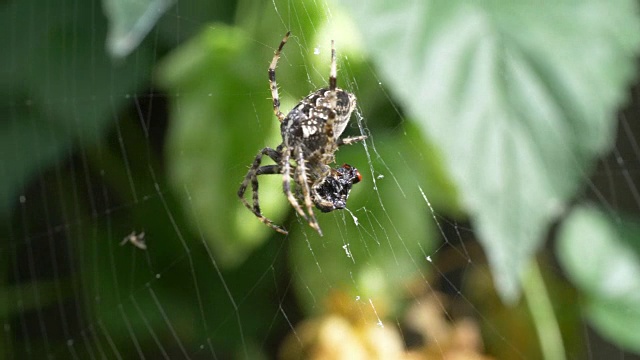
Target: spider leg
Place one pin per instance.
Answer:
(351, 140)
(272, 78)
(332, 75)
(252, 176)
(306, 193)
(286, 182)
(268, 170)
(262, 170)
(332, 101)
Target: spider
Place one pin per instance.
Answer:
(310, 137)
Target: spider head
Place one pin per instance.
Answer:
(333, 192)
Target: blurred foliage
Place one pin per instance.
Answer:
(205, 149)
(130, 22)
(606, 271)
(60, 87)
(370, 252)
(501, 111)
(519, 97)
(511, 331)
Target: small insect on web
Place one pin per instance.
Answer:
(136, 239)
(310, 137)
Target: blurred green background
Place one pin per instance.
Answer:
(497, 216)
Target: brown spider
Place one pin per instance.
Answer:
(310, 137)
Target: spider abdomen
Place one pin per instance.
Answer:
(305, 124)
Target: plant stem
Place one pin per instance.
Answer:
(541, 310)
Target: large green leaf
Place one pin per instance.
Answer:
(221, 118)
(602, 257)
(130, 21)
(519, 96)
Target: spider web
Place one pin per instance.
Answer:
(76, 286)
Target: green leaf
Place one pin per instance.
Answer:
(620, 324)
(221, 118)
(519, 96)
(130, 21)
(602, 257)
